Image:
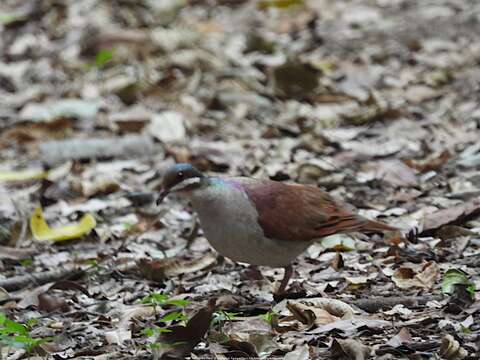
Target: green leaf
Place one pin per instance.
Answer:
(155, 298)
(471, 288)
(9, 18)
(221, 315)
(12, 327)
(31, 322)
(17, 335)
(178, 302)
(155, 330)
(162, 330)
(148, 332)
(103, 57)
(456, 277)
(26, 262)
(174, 316)
(271, 318)
(465, 330)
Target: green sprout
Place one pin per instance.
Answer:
(271, 318)
(16, 335)
(157, 299)
(103, 57)
(221, 316)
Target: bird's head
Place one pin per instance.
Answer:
(180, 178)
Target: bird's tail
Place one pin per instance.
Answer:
(370, 226)
(351, 224)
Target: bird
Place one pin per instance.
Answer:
(263, 222)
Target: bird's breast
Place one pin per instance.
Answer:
(230, 223)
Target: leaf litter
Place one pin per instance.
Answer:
(374, 101)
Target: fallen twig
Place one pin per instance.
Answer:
(19, 282)
(374, 304)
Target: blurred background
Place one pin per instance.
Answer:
(376, 101)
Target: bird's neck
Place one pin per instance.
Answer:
(213, 189)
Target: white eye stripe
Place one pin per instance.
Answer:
(185, 183)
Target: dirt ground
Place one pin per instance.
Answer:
(375, 101)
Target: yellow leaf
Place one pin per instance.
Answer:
(281, 4)
(23, 175)
(41, 230)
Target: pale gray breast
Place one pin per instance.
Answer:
(229, 221)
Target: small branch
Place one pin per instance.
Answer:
(372, 305)
(22, 281)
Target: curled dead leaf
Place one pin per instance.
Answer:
(407, 277)
(117, 336)
(393, 172)
(300, 353)
(295, 79)
(307, 317)
(349, 349)
(401, 338)
(41, 231)
(158, 270)
(181, 340)
(454, 215)
(450, 349)
(49, 303)
(24, 134)
(314, 312)
(432, 163)
(335, 307)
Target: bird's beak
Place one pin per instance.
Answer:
(162, 195)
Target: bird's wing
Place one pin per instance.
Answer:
(294, 212)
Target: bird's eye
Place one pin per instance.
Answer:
(180, 174)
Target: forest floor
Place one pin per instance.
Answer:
(376, 101)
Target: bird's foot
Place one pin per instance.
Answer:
(289, 295)
(282, 291)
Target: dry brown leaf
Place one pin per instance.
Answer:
(300, 353)
(450, 349)
(350, 326)
(333, 306)
(432, 163)
(393, 172)
(136, 311)
(307, 316)
(311, 312)
(233, 347)
(30, 296)
(23, 134)
(401, 338)
(454, 215)
(183, 339)
(168, 127)
(12, 253)
(417, 94)
(406, 277)
(349, 349)
(49, 303)
(117, 336)
(158, 270)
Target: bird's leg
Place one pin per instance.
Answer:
(286, 278)
(192, 235)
